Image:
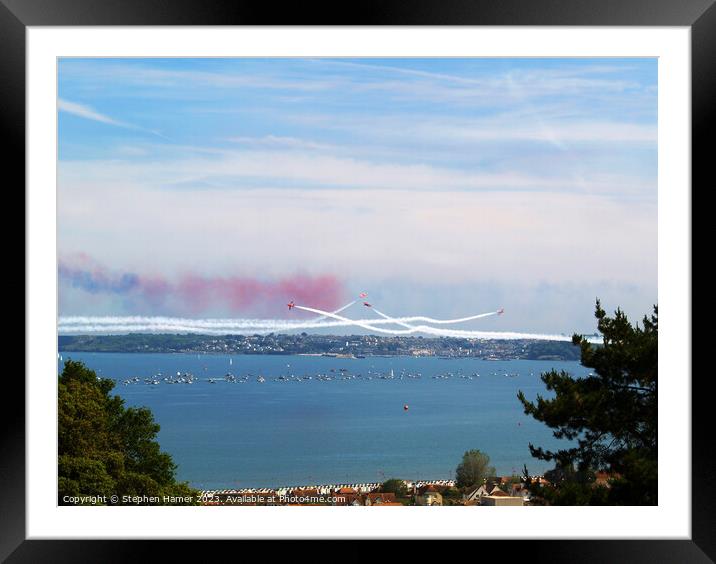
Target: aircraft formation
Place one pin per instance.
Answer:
(405, 322)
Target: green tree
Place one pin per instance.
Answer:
(474, 469)
(451, 494)
(106, 449)
(395, 486)
(610, 414)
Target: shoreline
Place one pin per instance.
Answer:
(350, 347)
(325, 489)
(319, 355)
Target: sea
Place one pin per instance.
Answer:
(325, 420)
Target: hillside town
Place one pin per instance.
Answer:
(352, 346)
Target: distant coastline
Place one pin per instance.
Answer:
(339, 346)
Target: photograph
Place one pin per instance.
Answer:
(277, 269)
(357, 281)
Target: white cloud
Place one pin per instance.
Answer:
(376, 235)
(131, 151)
(526, 125)
(255, 168)
(595, 132)
(495, 90)
(86, 112)
(281, 142)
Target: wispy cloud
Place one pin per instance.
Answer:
(250, 169)
(377, 235)
(281, 142)
(86, 112)
(532, 127)
(324, 78)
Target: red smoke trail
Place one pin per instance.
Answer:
(241, 293)
(196, 294)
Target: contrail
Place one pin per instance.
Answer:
(135, 324)
(143, 322)
(397, 321)
(356, 322)
(340, 309)
(114, 325)
(77, 324)
(370, 325)
(401, 320)
(440, 332)
(86, 325)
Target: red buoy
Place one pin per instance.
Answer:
(405, 407)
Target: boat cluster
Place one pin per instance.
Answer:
(134, 380)
(340, 374)
(158, 378)
(180, 378)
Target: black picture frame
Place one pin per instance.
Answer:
(17, 15)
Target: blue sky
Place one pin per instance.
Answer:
(440, 186)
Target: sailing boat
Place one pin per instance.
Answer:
(231, 361)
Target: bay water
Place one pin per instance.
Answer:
(326, 420)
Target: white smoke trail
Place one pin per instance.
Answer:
(219, 324)
(371, 324)
(399, 321)
(340, 309)
(441, 332)
(122, 325)
(178, 323)
(244, 328)
(358, 322)
(76, 325)
(477, 335)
